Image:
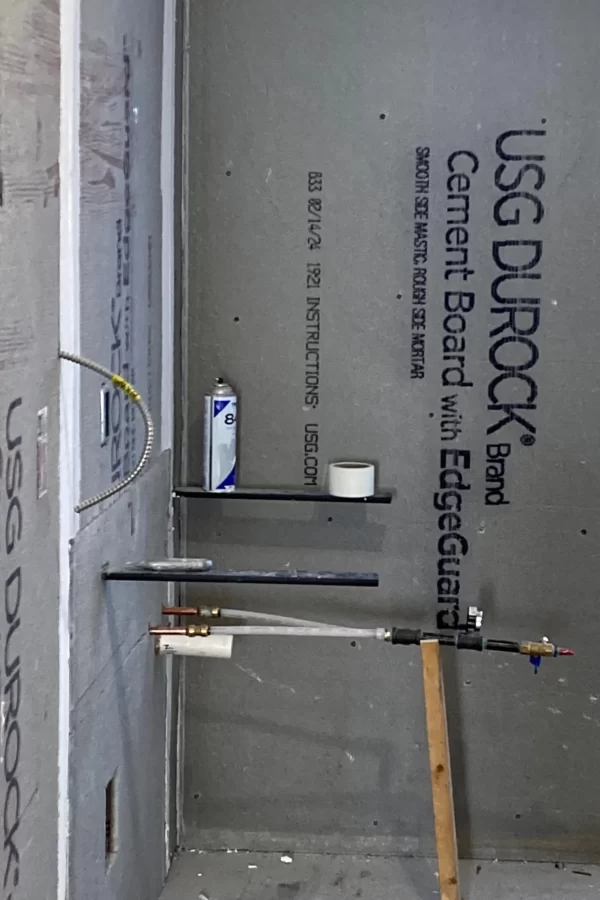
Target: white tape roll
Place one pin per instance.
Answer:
(351, 479)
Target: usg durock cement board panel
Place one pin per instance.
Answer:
(393, 257)
(29, 428)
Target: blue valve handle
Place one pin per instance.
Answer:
(536, 662)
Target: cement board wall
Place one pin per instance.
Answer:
(439, 298)
(118, 689)
(29, 372)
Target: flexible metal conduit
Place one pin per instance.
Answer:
(131, 392)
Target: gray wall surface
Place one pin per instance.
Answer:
(118, 700)
(321, 746)
(118, 690)
(118, 686)
(29, 369)
(121, 78)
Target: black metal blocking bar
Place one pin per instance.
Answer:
(296, 495)
(142, 572)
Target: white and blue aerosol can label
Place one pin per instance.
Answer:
(220, 437)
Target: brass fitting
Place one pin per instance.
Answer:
(198, 630)
(205, 612)
(183, 631)
(537, 648)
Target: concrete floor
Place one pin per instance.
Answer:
(255, 876)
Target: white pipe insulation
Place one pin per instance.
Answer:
(216, 646)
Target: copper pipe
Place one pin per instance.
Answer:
(166, 630)
(181, 610)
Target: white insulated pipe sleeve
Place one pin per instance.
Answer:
(282, 631)
(271, 618)
(217, 646)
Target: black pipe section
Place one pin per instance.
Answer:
(297, 495)
(503, 646)
(230, 576)
(452, 639)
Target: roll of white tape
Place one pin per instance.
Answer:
(351, 479)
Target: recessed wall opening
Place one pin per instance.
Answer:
(104, 414)
(110, 820)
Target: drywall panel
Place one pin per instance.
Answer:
(29, 370)
(366, 181)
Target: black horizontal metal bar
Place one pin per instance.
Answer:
(297, 495)
(230, 576)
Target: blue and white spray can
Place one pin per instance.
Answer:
(220, 437)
